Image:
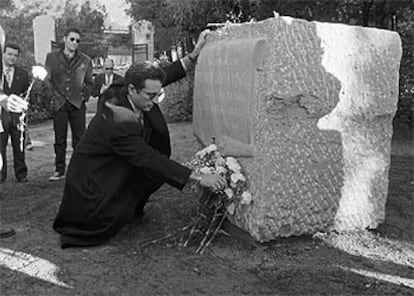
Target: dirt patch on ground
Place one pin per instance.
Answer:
(363, 263)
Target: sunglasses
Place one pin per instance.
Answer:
(72, 39)
(109, 68)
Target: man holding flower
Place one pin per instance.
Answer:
(8, 103)
(15, 80)
(15, 104)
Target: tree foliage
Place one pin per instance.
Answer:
(90, 21)
(6, 4)
(178, 20)
(18, 25)
(175, 19)
(19, 30)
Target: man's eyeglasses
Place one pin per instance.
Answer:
(155, 97)
(109, 68)
(74, 40)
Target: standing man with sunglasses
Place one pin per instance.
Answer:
(104, 80)
(70, 83)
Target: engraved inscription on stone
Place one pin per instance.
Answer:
(225, 88)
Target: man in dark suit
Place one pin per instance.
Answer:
(122, 158)
(104, 80)
(15, 81)
(10, 103)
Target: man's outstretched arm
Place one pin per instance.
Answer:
(178, 69)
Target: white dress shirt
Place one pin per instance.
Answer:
(8, 74)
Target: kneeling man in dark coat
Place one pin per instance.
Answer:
(122, 158)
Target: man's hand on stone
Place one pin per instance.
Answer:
(214, 181)
(202, 40)
(16, 104)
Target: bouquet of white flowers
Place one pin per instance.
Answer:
(216, 205)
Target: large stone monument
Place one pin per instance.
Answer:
(307, 107)
(44, 33)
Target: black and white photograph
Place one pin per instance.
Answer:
(206, 147)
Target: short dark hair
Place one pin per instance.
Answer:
(72, 30)
(141, 71)
(12, 45)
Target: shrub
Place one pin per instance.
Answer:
(40, 107)
(178, 103)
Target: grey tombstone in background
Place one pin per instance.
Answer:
(44, 33)
(143, 33)
(307, 108)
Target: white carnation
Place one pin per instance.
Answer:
(203, 152)
(39, 72)
(229, 193)
(205, 170)
(231, 208)
(211, 148)
(236, 177)
(221, 170)
(247, 198)
(233, 164)
(220, 161)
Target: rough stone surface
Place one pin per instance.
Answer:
(310, 106)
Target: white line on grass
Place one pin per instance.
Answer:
(31, 265)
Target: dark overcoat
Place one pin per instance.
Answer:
(117, 164)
